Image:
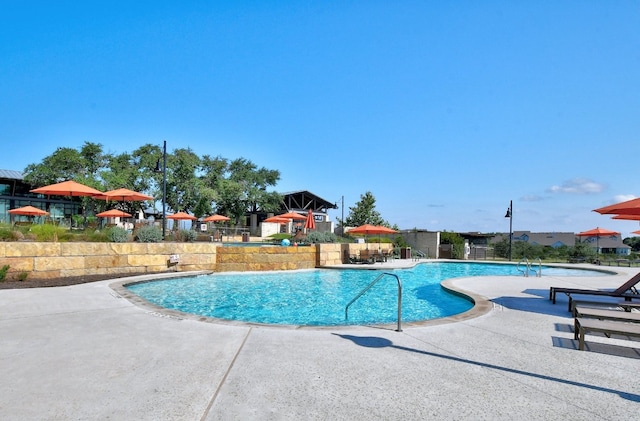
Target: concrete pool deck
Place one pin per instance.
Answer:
(84, 352)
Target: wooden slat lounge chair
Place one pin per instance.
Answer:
(610, 305)
(627, 291)
(608, 327)
(603, 314)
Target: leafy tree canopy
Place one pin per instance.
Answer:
(195, 184)
(364, 212)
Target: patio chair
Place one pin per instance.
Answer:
(627, 291)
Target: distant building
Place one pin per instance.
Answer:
(300, 202)
(14, 193)
(606, 245)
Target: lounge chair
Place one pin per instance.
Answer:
(608, 327)
(627, 291)
(581, 313)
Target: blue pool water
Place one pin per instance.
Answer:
(318, 297)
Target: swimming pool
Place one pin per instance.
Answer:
(318, 297)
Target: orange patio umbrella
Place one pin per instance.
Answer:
(123, 195)
(630, 207)
(277, 220)
(28, 211)
(597, 232)
(371, 229)
(292, 215)
(310, 223)
(181, 216)
(627, 217)
(216, 218)
(113, 213)
(67, 188)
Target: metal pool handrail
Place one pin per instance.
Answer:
(346, 309)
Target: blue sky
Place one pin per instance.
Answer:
(444, 111)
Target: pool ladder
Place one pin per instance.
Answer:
(368, 287)
(528, 269)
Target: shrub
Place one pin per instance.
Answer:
(49, 232)
(3, 272)
(321, 237)
(186, 236)
(6, 234)
(148, 234)
(17, 235)
(22, 276)
(117, 235)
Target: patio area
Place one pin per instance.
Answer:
(85, 352)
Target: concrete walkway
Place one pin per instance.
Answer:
(87, 353)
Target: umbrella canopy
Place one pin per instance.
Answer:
(67, 188)
(630, 207)
(371, 229)
(597, 232)
(28, 211)
(292, 215)
(278, 220)
(635, 232)
(181, 216)
(123, 195)
(310, 223)
(113, 213)
(216, 218)
(627, 217)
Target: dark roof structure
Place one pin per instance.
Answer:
(11, 174)
(304, 200)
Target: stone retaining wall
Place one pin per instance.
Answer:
(55, 260)
(262, 258)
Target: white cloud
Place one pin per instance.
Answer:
(532, 198)
(578, 186)
(622, 198)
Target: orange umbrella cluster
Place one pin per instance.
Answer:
(73, 188)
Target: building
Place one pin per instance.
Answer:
(300, 202)
(607, 245)
(14, 193)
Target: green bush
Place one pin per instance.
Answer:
(148, 234)
(22, 276)
(321, 237)
(3, 272)
(117, 235)
(49, 232)
(6, 234)
(188, 236)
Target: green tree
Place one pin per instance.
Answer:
(364, 212)
(456, 240)
(83, 166)
(183, 183)
(242, 187)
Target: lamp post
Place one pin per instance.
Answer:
(164, 187)
(510, 216)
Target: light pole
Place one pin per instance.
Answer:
(510, 216)
(164, 187)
